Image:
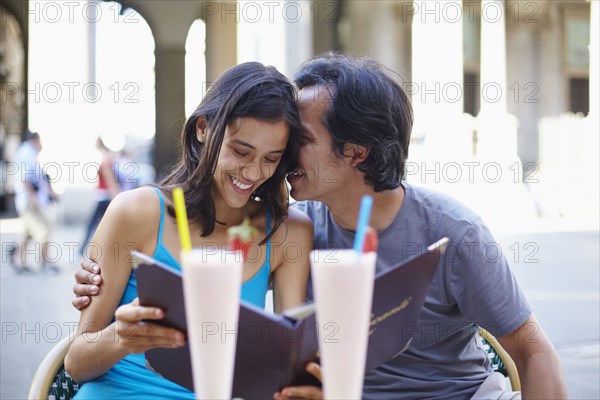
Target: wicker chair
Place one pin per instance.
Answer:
(51, 381)
(500, 359)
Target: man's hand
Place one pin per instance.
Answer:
(303, 392)
(88, 281)
(138, 336)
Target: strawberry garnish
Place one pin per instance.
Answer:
(240, 237)
(370, 240)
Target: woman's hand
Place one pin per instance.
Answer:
(137, 335)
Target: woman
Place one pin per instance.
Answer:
(107, 189)
(237, 147)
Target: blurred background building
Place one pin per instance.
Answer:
(505, 92)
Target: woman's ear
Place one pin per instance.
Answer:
(356, 153)
(201, 130)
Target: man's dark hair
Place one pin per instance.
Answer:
(368, 108)
(29, 135)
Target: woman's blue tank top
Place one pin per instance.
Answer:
(253, 291)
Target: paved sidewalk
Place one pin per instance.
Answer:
(560, 275)
(36, 309)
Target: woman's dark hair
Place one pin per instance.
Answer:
(246, 90)
(367, 108)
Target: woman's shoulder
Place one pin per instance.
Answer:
(297, 227)
(132, 217)
(142, 194)
(297, 217)
(140, 204)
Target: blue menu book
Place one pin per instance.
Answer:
(272, 350)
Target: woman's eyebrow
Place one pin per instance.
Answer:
(242, 143)
(248, 145)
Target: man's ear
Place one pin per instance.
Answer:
(201, 130)
(356, 153)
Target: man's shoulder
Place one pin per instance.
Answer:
(437, 206)
(311, 208)
(427, 215)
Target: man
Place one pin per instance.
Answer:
(357, 128)
(33, 195)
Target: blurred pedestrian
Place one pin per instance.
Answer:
(107, 188)
(33, 196)
(127, 171)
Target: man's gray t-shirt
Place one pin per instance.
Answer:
(472, 287)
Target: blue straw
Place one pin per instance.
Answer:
(363, 221)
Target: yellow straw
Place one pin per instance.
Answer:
(182, 221)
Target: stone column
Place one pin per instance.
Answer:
(497, 129)
(501, 169)
(594, 60)
(593, 124)
(387, 41)
(170, 103)
(525, 40)
(325, 17)
(493, 55)
(20, 10)
(437, 79)
(221, 40)
(298, 35)
(92, 14)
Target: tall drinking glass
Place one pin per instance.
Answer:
(343, 291)
(212, 282)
